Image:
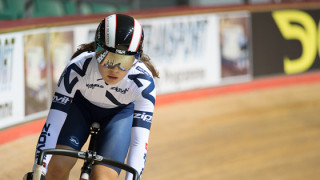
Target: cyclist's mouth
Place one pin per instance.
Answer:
(112, 77)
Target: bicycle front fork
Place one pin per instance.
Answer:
(87, 165)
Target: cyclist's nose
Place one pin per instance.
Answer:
(114, 68)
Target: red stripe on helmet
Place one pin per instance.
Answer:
(139, 38)
(134, 23)
(133, 35)
(105, 30)
(115, 32)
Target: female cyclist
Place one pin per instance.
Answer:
(109, 81)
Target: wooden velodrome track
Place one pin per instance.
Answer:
(269, 131)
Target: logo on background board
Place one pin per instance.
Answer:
(6, 63)
(6, 110)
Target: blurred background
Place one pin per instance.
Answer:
(237, 40)
(18, 9)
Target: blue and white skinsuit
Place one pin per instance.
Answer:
(124, 111)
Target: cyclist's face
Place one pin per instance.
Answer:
(112, 75)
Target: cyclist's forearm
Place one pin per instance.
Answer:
(49, 135)
(138, 150)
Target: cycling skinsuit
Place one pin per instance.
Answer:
(82, 96)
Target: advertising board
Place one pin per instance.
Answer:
(285, 42)
(11, 79)
(185, 50)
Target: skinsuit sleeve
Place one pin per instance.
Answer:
(65, 90)
(143, 113)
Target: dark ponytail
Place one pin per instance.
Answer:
(84, 48)
(147, 61)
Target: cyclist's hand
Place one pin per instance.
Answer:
(29, 176)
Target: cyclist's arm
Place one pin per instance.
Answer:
(138, 150)
(143, 113)
(58, 112)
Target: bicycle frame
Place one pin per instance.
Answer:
(89, 157)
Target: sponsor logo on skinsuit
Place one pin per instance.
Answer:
(61, 102)
(74, 140)
(92, 86)
(142, 119)
(43, 139)
(122, 91)
(60, 99)
(143, 116)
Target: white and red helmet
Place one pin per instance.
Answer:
(120, 34)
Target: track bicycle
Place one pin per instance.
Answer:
(89, 157)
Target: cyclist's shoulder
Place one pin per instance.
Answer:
(79, 66)
(142, 77)
(141, 71)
